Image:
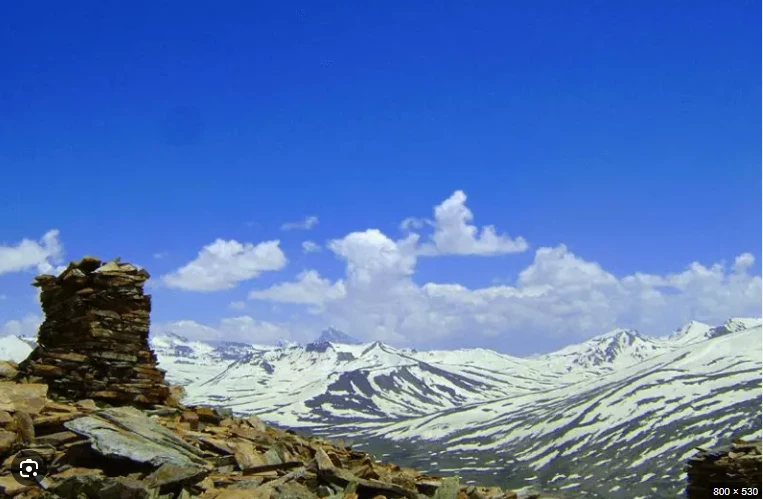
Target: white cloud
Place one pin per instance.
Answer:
(309, 289)
(246, 328)
(371, 255)
(27, 326)
(414, 223)
(308, 223)
(310, 247)
(243, 328)
(223, 264)
(454, 235)
(28, 255)
(743, 262)
(237, 305)
(161, 255)
(558, 294)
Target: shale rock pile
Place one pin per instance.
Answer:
(94, 341)
(184, 452)
(735, 467)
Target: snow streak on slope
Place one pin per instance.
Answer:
(328, 383)
(608, 352)
(188, 362)
(643, 419)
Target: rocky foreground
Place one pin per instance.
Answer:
(183, 452)
(737, 467)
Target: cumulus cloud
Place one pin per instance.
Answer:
(237, 305)
(371, 255)
(42, 255)
(310, 247)
(243, 328)
(414, 223)
(454, 235)
(223, 264)
(558, 294)
(308, 289)
(308, 223)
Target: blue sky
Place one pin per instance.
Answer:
(627, 132)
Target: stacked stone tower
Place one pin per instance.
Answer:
(94, 340)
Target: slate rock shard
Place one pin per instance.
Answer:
(93, 343)
(737, 466)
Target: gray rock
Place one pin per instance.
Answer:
(171, 474)
(448, 489)
(126, 432)
(292, 490)
(246, 484)
(79, 485)
(92, 486)
(123, 488)
(324, 491)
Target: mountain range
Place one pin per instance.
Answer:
(615, 416)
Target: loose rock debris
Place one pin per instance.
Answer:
(183, 452)
(736, 467)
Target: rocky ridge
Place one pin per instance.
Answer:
(95, 451)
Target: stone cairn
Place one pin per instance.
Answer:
(735, 467)
(93, 343)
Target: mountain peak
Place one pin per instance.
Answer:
(691, 332)
(616, 333)
(286, 343)
(333, 335)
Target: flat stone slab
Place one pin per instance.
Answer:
(126, 432)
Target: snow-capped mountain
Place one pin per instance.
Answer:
(612, 417)
(329, 383)
(633, 428)
(608, 352)
(333, 335)
(286, 343)
(188, 361)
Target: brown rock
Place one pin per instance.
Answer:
(75, 471)
(7, 439)
(247, 456)
(5, 418)
(256, 423)
(10, 487)
(58, 439)
(22, 397)
(24, 427)
(238, 494)
(87, 405)
(207, 415)
(7, 369)
(191, 418)
(170, 474)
